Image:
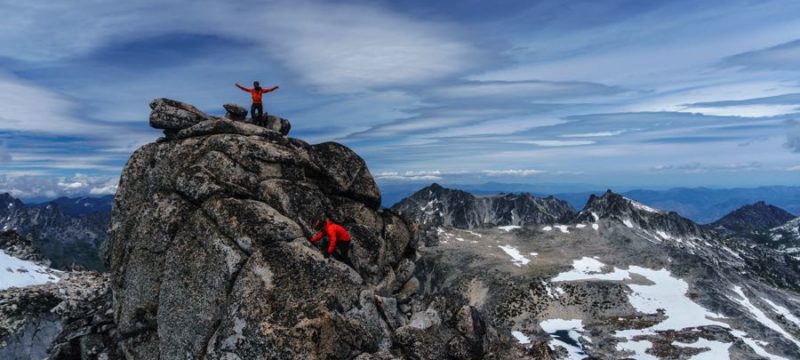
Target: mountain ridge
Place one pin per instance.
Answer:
(66, 231)
(436, 205)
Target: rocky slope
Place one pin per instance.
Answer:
(751, 219)
(66, 231)
(784, 238)
(622, 280)
(439, 206)
(37, 302)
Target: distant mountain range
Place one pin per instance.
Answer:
(437, 206)
(701, 205)
(66, 231)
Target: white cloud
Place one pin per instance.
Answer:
(513, 172)
(29, 107)
(532, 90)
(71, 185)
(107, 188)
(700, 168)
(350, 47)
(332, 46)
(553, 143)
(595, 134)
(410, 175)
(35, 185)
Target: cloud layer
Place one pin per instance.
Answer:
(614, 93)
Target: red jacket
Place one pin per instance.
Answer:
(255, 93)
(335, 232)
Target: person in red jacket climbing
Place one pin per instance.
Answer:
(338, 240)
(256, 93)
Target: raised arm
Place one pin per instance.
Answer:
(266, 90)
(243, 88)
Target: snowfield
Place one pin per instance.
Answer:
(668, 293)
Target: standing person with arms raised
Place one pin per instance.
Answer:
(256, 93)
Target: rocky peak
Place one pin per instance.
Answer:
(758, 216)
(615, 207)
(219, 212)
(19, 247)
(10, 205)
(180, 121)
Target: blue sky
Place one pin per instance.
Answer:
(614, 93)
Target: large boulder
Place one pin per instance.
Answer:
(235, 112)
(275, 123)
(209, 254)
(170, 114)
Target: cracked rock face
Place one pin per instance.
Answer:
(209, 254)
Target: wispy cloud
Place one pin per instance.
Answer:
(513, 172)
(696, 167)
(444, 90)
(781, 57)
(410, 175)
(793, 136)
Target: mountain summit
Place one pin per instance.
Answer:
(613, 206)
(747, 219)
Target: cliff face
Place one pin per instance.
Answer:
(209, 254)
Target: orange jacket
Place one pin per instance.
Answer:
(255, 93)
(335, 232)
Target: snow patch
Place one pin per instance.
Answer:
(521, 338)
(547, 228)
(760, 316)
(587, 268)
(638, 348)
(508, 228)
(580, 226)
(563, 228)
(784, 312)
(22, 273)
(565, 333)
(516, 257)
(643, 207)
(716, 350)
(628, 223)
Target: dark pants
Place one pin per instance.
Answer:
(257, 108)
(341, 252)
